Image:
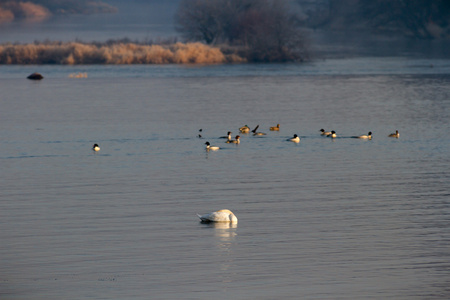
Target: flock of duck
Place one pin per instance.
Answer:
(225, 215)
(296, 139)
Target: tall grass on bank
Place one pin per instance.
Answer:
(75, 53)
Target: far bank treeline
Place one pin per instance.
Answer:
(215, 31)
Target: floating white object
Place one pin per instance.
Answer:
(223, 215)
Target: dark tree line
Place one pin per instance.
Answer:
(424, 19)
(262, 30)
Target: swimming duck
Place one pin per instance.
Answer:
(396, 134)
(275, 128)
(257, 133)
(236, 141)
(367, 137)
(325, 132)
(228, 137)
(209, 147)
(244, 129)
(332, 134)
(294, 139)
(96, 148)
(223, 215)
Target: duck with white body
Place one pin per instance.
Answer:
(209, 147)
(295, 139)
(364, 137)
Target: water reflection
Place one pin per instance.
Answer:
(225, 239)
(226, 231)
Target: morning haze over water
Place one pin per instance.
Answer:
(325, 218)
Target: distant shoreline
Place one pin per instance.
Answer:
(117, 53)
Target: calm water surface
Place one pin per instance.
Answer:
(322, 219)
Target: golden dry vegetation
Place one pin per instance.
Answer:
(75, 53)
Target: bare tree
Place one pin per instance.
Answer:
(265, 29)
(273, 34)
(199, 20)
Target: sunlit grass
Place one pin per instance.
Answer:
(76, 53)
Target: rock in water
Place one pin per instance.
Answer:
(35, 76)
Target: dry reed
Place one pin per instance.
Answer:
(77, 53)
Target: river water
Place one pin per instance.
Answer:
(326, 218)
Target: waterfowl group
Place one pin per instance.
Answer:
(296, 139)
(323, 132)
(225, 215)
(367, 136)
(235, 141)
(332, 134)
